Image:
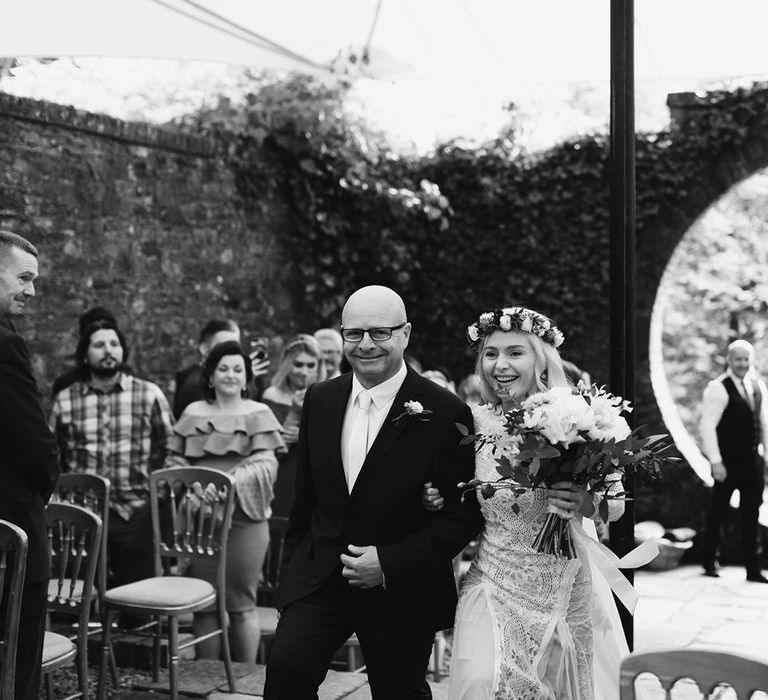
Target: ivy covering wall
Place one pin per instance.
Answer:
(466, 229)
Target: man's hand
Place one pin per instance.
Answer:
(431, 499)
(718, 471)
(361, 567)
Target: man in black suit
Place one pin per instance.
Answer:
(28, 455)
(362, 554)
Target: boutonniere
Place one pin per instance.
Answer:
(413, 411)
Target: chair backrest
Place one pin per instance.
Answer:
(74, 540)
(273, 561)
(199, 525)
(92, 493)
(707, 668)
(13, 565)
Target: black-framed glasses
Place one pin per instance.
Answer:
(355, 335)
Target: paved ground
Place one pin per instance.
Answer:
(677, 608)
(681, 608)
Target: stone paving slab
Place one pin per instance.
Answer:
(682, 607)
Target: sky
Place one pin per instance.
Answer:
(441, 68)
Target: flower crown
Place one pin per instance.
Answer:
(514, 318)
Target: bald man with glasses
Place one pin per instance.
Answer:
(362, 555)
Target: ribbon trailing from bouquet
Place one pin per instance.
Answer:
(609, 564)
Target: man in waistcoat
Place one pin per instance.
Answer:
(734, 427)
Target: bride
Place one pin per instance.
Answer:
(529, 625)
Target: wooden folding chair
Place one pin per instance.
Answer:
(709, 669)
(92, 493)
(198, 533)
(13, 566)
(273, 561)
(270, 579)
(74, 540)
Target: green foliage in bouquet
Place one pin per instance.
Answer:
(567, 434)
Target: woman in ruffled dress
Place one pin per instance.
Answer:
(229, 432)
(529, 625)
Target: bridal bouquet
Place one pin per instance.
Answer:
(568, 434)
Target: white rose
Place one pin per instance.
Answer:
(608, 420)
(414, 407)
(486, 318)
(557, 338)
(472, 332)
(620, 430)
(505, 323)
(527, 325)
(565, 416)
(545, 324)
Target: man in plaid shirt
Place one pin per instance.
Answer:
(112, 424)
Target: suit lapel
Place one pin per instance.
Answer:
(390, 430)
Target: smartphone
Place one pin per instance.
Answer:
(258, 350)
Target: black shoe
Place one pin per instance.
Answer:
(756, 577)
(711, 571)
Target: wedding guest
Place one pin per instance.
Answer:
(113, 424)
(332, 346)
(97, 313)
(469, 390)
(188, 389)
(362, 555)
(229, 432)
(734, 430)
(528, 624)
(440, 378)
(300, 365)
(28, 462)
(218, 330)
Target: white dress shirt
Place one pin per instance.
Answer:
(382, 397)
(714, 401)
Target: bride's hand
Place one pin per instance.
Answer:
(431, 499)
(567, 498)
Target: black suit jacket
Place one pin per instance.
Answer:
(187, 389)
(384, 509)
(28, 454)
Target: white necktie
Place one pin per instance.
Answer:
(358, 437)
(748, 394)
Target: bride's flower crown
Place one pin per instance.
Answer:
(514, 318)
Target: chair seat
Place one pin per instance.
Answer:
(57, 649)
(162, 594)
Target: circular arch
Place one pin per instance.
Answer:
(717, 140)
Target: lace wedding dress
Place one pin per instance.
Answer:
(528, 624)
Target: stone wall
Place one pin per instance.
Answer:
(144, 221)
